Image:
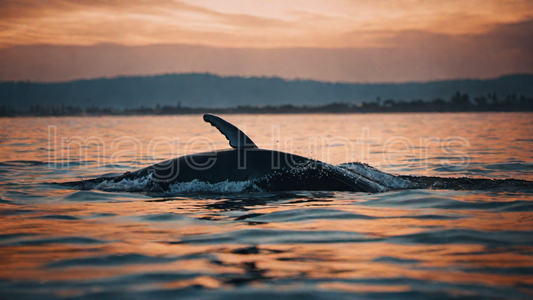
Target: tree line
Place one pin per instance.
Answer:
(458, 102)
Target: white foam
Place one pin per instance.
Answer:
(147, 184)
(219, 187)
(125, 185)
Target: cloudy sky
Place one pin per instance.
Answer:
(333, 40)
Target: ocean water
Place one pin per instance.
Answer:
(216, 242)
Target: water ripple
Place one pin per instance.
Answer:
(270, 236)
(467, 236)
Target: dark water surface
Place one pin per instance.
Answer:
(215, 242)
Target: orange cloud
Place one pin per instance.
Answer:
(250, 23)
(409, 56)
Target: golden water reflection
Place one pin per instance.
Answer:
(352, 242)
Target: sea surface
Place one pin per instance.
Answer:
(216, 242)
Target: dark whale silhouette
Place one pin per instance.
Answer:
(267, 170)
(276, 171)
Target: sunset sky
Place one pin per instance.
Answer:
(334, 40)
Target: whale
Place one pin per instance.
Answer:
(263, 169)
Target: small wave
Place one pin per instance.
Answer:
(13, 212)
(396, 260)
(424, 199)
(518, 166)
(300, 215)
(111, 260)
(220, 187)
(89, 196)
(502, 270)
(61, 240)
(467, 236)
(411, 199)
(59, 217)
(15, 163)
(125, 185)
(273, 236)
(14, 236)
(148, 184)
(174, 218)
(511, 206)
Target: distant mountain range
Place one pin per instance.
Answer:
(207, 90)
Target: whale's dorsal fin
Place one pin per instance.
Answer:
(236, 138)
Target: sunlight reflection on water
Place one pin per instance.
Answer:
(62, 243)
